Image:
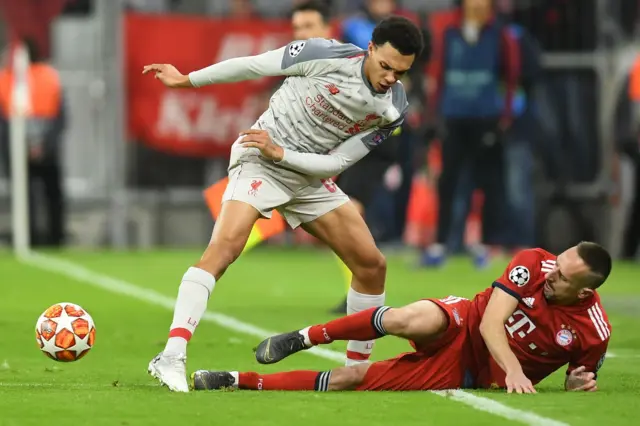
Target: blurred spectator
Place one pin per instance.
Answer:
(237, 9)
(630, 147)
(560, 25)
(242, 9)
(520, 140)
(251, 8)
(358, 28)
(393, 162)
(478, 55)
(45, 125)
(310, 19)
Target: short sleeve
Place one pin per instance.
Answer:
(520, 274)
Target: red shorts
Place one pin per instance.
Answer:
(440, 364)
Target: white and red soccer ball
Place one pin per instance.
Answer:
(65, 332)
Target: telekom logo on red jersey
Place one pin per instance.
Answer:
(520, 324)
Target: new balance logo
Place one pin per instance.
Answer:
(528, 301)
(333, 89)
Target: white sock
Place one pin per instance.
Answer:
(357, 302)
(193, 295)
(305, 333)
(236, 378)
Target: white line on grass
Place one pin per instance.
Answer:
(114, 285)
(623, 354)
(84, 386)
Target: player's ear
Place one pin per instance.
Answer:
(585, 293)
(371, 47)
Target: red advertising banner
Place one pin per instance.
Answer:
(195, 122)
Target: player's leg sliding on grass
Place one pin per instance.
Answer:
(343, 378)
(421, 321)
(439, 362)
(342, 228)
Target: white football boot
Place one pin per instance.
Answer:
(171, 371)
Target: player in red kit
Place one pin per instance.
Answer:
(542, 313)
(547, 313)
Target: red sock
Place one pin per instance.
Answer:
(180, 332)
(365, 325)
(291, 381)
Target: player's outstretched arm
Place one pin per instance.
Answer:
(231, 70)
(500, 307)
(300, 57)
(168, 75)
(266, 64)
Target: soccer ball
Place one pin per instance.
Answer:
(65, 332)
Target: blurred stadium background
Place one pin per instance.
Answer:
(134, 159)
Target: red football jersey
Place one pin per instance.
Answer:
(543, 336)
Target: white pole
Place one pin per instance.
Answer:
(18, 135)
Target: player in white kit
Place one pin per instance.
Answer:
(337, 104)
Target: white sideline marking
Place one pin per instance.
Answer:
(84, 386)
(114, 285)
(624, 354)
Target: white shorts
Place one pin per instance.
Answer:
(299, 198)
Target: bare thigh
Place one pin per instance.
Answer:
(229, 236)
(422, 321)
(345, 231)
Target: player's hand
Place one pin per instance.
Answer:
(260, 139)
(581, 380)
(519, 383)
(168, 75)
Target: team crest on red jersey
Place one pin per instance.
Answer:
(565, 336)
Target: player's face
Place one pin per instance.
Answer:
(308, 24)
(565, 283)
(385, 66)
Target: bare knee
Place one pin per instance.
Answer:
(229, 237)
(347, 378)
(397, 321)
(371, 270)
(221, 252)
(422, 320)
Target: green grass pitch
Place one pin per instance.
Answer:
(273, 289)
